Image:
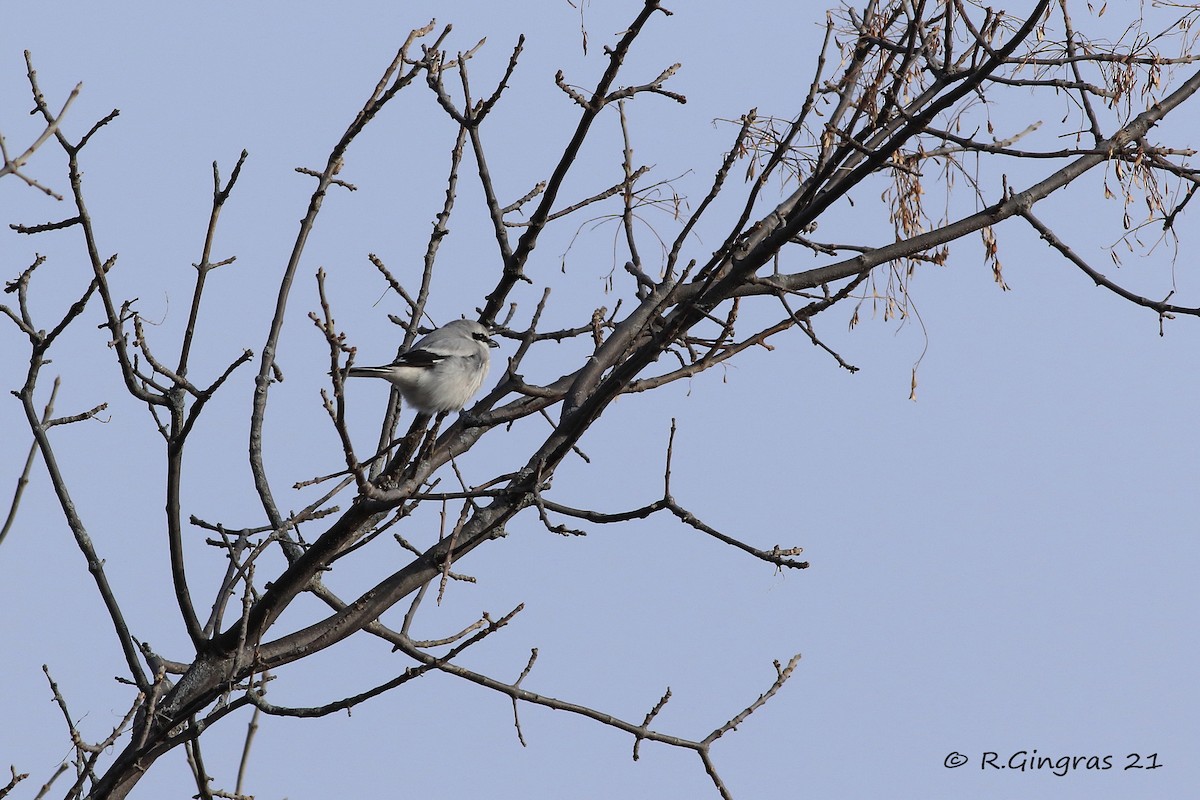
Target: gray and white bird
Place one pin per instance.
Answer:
(442, 371)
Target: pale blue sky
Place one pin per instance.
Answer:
(1006, 564)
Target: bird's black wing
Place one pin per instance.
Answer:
(419, 358)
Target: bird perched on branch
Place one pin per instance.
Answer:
(442, 371)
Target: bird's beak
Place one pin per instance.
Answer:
(492, 343)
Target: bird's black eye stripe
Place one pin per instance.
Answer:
(480, 337)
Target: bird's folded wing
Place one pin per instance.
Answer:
(419, 358)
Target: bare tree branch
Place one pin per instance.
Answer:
(12, 164)
(23, 481)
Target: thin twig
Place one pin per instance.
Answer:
(23, 481)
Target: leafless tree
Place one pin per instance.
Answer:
(898, 105)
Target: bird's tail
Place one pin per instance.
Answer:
(367, 372)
